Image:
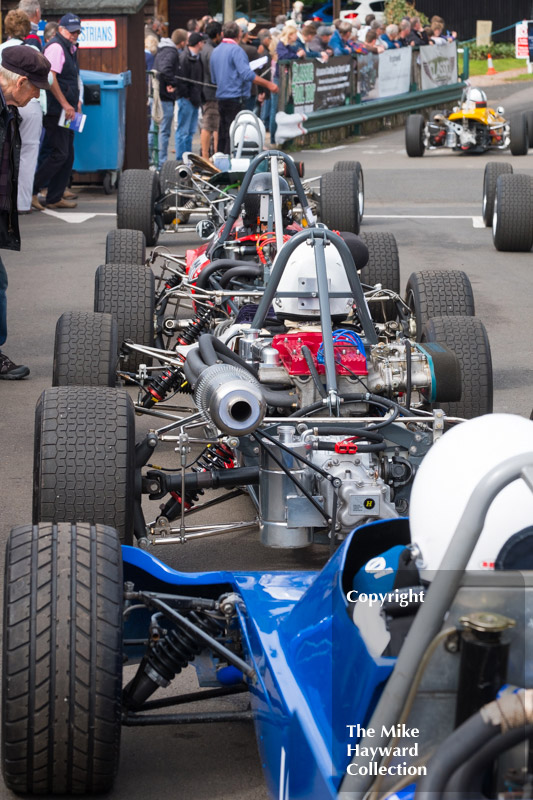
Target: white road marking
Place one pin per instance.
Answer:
(76, 216)
(328, 149)
(477, 222)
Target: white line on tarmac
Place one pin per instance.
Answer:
(76, 216)
(328, 149)
(477, 222)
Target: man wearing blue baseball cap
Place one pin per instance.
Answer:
(64, 95)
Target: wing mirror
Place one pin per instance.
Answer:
(205, 229)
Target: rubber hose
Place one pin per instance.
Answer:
(207, 351)
(321, 389)
(215, 266)
(348, 429)
(461, 745)
(252, 271)
(467, 779)
(225, 353)
(195, 363)
(278, 399)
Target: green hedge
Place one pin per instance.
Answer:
(496, 49)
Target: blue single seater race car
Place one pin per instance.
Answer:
(401, 669)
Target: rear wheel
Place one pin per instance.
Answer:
(84, 457)
(127, 291)
(354, 166)
(467, 338)
(138, 191)
(439, 293)
(125, 247)
(491, 175)
(85, 350)
(519, 135)
(414, 135)
(512, 222)
(62, 659)
(339, 201)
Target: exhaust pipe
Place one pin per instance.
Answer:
(231, 397)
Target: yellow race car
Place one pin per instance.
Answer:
(472, 127)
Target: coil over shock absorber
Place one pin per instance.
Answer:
(167, 657)
(219, 457)
(197, 326)
(171, 379)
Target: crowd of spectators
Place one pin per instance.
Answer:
(204, 69)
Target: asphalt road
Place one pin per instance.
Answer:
(433, 207)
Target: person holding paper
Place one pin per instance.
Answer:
(64, 95)
(23, 73)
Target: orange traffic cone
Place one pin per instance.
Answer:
(490, 66)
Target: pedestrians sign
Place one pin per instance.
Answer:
(101, 33)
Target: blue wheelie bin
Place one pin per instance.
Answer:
(100, 146)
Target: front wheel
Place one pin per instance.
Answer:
(85, 350)
(339, 201)
(62, 659)
(519, 135)
(414, 136)
(491, 175)
(354, 166)
(84, 457)
(138, 191)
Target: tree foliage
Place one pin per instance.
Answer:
(395, 10)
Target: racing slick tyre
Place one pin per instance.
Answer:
(519, 135)
(62, 659)
(168, 177)
(512, 222)
(467, 338)
(529, 124)
(491, 175)
(414, 135)
(127, 291)
(138, 191)
(383, 267)
(84, 457)
(439, 293)
(125, 247)
(354, 166)
(339, 201)
(85, 350)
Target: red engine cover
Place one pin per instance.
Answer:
(289, 347)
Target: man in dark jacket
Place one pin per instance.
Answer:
(210, 116)
(64, 95)
(190, 93)
(167, 63)
(23, 72)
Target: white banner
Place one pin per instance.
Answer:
(394, 72)
(100, 33)
(438, 65)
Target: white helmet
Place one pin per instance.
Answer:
(449, 474)
(477, 96)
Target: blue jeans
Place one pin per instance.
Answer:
(164, 130)
(265, 113)
(3, 303)
(187, 124)
(273, 111)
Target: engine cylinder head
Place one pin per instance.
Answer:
(231, 397)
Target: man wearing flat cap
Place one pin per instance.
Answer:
(23, 73)
(64, 95)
